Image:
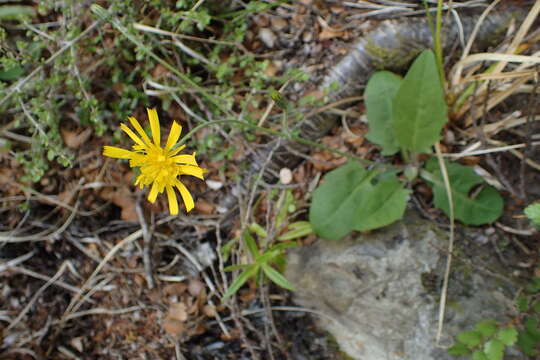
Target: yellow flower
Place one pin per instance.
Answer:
(159, 167)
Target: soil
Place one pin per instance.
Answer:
(49, 310)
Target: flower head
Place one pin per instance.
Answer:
(159, 167)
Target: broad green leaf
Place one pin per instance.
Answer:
(533, 213)
(486, 328)
(507, 336)
(494, 349)
(479, 355)
(380, 91)
(240, 280)
(348, 200)
(459, 349)
(470, 338)
(419, 108)
(297, 229)
(337, 201)
(385, 203)
(8, 12)
(482, 208)
(277, 278)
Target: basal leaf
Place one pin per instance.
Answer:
(494, 349)
(385, 203)
(419, 109)
(459, 349)
(533, 213)
(508, 336)
(486, 327)
(482, 208)
(470, 338)
(479, 355)
(337, 201)
(380, 91)
(347, 200)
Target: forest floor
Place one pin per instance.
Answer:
(89, 269)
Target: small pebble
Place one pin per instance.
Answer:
(268, 37)
(285, 176)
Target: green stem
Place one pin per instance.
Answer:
(438, 43)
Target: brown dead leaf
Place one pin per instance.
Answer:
(173, 327)
(204, 207)
(75, 138)
(175, 289)
(178, 311)
(122, 198)
(329, 33)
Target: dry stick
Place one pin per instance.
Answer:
(444, 292)
(56, 276)
(533, 100)
(147, 245)
(19, 84)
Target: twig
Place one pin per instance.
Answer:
(147, 246)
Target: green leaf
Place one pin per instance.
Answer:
(536, 307)
(380, 92)
(258, 230)
(527, 343)
(470, 338)
(419, 108)
(348, 200)
(459, 349)
(385, 204)
(237, 267)
(533, 213)
(337, 201)
(297, 230)
(482, 208)
(507, 336)
(486, 328)
(531, 325)
(8, 12)
(240, 280)
(251, 244)
(12, 74)
(522, 303)
(479, 355)
(494, 349)
(277, 278)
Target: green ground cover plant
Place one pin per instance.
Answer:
(407, 116)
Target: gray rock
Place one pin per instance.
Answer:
(380, 291)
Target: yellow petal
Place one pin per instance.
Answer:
(139, 129)
(116, 152)
(153, 193)
(177, 150)
(132, 135)
(185, 159)
(173, 202)
(192, 170)
(154, 125)
(186, 196)
(174, 135)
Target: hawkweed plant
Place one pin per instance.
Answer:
(160, 168)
